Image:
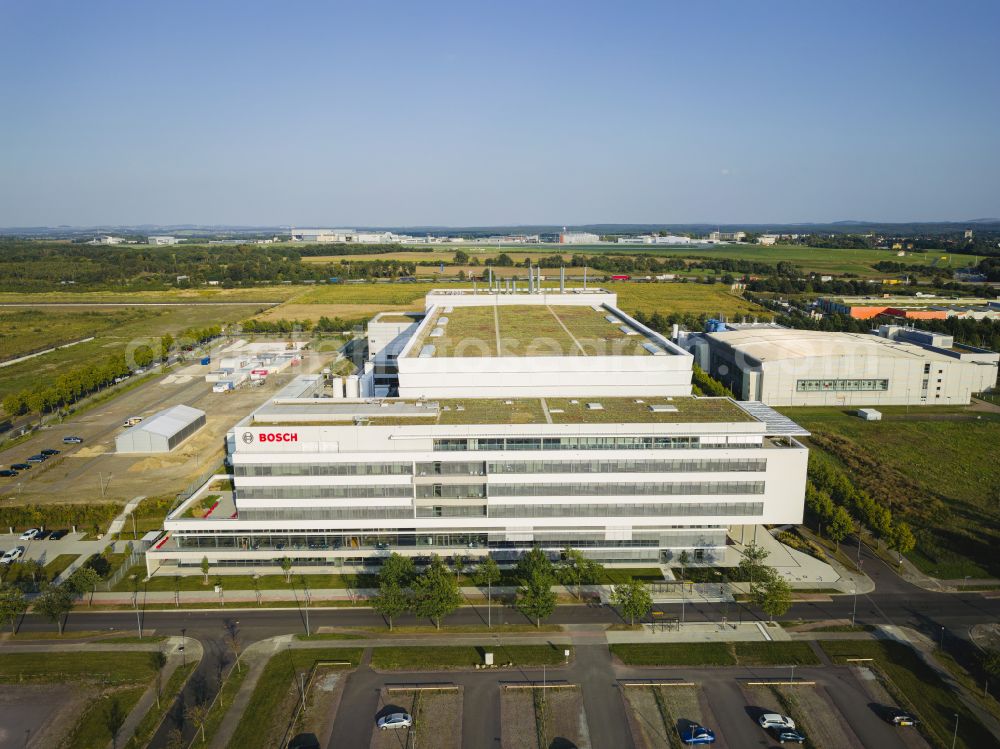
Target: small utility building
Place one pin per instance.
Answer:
(161, 433)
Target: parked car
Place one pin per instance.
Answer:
(39, 458)
(787, 735)
(900, 717)
(13, 555)
(48, 452)
(698, 735)
(7, 473)
(21, 466)
(43, 534)
(56, 535)
(767, 720)
(395, 720)
(72, 440)
(29, 534)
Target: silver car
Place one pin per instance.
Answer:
(773, 720)
(395, 720)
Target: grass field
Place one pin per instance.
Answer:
(25, 330)
(217, 294)
(263, 719)
(952, 507)
(115, 329)
(918, 687)
(716, 654)
(465, 656)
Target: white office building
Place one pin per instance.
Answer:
(498, 460)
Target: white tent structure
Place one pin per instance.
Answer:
(161, 433)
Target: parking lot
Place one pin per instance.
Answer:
(91, 471)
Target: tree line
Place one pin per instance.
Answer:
(323, 325)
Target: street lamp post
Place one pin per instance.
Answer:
(942, 638)
(183, 646)
(854, 612)
(954, 736)
(308, 601)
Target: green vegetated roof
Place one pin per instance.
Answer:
(591, 410)
(530, 330)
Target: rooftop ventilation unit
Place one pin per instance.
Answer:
(437, 332)
(594, 407)
(442, 321)
(556, 411)
(662, 408)
(627, 330)
(654, 349)
(459, 408)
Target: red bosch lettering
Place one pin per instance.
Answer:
(279, 437)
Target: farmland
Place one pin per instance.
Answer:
(953, 506)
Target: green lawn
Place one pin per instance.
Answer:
(59, 564)
(112, 667)
(91, 729)
(716, 654)
(919, 688)
(168, 692)
(953, 508)
(464, 656)
(225, 699)
(261, 720)
(243, 582)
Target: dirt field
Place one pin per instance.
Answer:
(78, 472)
(47, 711)
(682, 705)
(556, 714)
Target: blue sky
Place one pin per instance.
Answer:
(385, 113)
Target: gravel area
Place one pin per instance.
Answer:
(877, 692)
(517, 719)
(644, 719)
(813, 713)
(437, 719)
(324, 699)
(565, 719)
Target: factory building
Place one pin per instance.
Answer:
(161, 433)
(495, 462)
(786, 367)
(578, 237)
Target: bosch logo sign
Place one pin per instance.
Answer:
(278, 437)
(248, 437)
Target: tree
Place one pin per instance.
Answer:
(632, 599)
(197, 714)
(204, 569)
(286, 567)
(176, 740)
(684, 559)
(398, 570)
(391, 601)
(158, 660)
(83, 581)
(234, 641)
(840, 526)
(435, 592)
(114, 719)
(901, 539)
(775, 597)
(534, 561)
(54, 603)
(12, 605)
(535, 599)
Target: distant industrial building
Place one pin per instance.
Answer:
(162, 240)
(727, 236)
(161, 433)
(106, 239)
(786, 367)
(768, 239)
(577, 237)
(656, 239)
(343, 236)
(925, 307)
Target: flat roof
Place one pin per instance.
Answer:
(168, 422)
(531, 330)
(500, 411)
(777, 344)
(909, 301)
(397, 317)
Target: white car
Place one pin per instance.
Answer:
(29, 534)
(773, 720)
(13, 555)
(395, 720)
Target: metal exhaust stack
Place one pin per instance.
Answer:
(562, 280)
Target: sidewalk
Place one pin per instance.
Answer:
(255, 658)
(148, 700)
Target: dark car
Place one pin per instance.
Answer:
(39, 458)
(43, 534)
(49, 452)
(56, 535)
(72, 440)
(21, 466)
(900, 718)
(787, 735)
(7, 474)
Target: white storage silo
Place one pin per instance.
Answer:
(352, 387)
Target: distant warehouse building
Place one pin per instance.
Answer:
(161, 433)
(786, 367)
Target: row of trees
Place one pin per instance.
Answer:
(54, 602)
(840, 508)
(323, 325)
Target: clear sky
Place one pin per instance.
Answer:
(476, 113)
